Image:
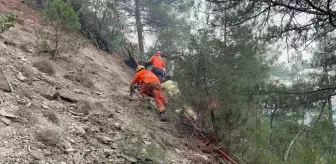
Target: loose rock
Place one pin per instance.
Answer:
(117, 125)
(134, 140)
(204, 157)
(104, 139)
(5, 121)
(4, 85)
(21, 77)
(128, 158)
(7, 115)
(80, 130)
(37, 155)
(108, 152)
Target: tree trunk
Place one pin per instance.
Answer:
(214, 124)
(139, 25)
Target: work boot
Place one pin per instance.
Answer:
(162, 116)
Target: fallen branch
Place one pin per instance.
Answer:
(291, 144)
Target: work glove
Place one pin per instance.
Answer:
(164, 71)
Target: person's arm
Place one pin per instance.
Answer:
(151, 60)
(135, 80)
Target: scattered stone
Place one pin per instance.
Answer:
(4, 85)
(146, 137)
(128, 158)
(70, 150)
(47, 96)
(134, 140)
(185, 161)
(94, 129)
(117, 125)
(78, 91)
(147, 142)
(108, 152)
(114, 145)
(6, 114)
(177, 151)
(5, 121)
(204, 157)
(37, 155)
(104, 139)
(21, 102)
(21, 77)
(3, 60)
(80, 130)
(29, 94)
(110, 115)
(29, 104)
(120, 111)
(85, 118)
(69, 96)
(68, 147)
(45, 106)
(63, 162)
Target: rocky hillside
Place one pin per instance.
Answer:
(74, 109)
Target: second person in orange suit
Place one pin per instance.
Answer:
(158, 65)
(149, 83)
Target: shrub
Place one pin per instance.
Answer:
(45, 66)
(48, 137)
(63, 18)
(52, 116)
(7, 21)
(27, 116)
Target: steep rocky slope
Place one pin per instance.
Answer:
(74, 109)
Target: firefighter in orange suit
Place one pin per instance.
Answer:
(149, 83)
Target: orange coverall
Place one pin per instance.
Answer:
(157, 61)
(158, 66)
(150, 83)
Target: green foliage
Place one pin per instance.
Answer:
(102, 23)
(63, 18)
(61, 14)
(7, 21)
(229, 73)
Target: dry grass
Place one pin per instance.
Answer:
(24, 47)
(80, 78)
(87, 82)
(27, 115)
(51, 116)
(9, 42)
(48, 137)
(84, 107)
(25, 29)
(45, 66)
(28, 73)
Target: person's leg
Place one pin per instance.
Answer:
(145, 89)
(159, 99)
(159, 73)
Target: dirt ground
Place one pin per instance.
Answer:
(75, 109)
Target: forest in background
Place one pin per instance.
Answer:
(263, 111)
